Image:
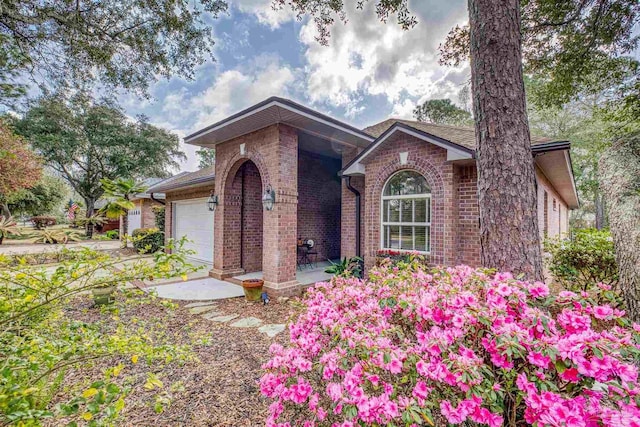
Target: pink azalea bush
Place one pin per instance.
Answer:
(413, 347)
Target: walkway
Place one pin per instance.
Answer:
(197, 290)
(305, 276)
(209, 310)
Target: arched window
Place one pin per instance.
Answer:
(406, 213)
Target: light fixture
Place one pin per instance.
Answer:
(212, 202)
(269, 198)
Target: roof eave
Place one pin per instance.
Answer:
(279, 105)
(458, 152)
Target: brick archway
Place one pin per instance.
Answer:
(239, 217)
(374, 193)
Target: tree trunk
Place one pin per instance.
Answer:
(506, 175)
(125, 230)
(600, 210)
(5, 210)
(90, 208)
(619, 170)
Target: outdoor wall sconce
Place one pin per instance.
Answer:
(269, 198)
(212, 202)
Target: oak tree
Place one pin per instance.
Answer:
(86, 141)
(119, 43)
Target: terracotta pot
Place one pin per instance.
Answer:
(103, 295)
(252, 289)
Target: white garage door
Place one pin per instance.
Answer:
(192, 218)
(134, 220)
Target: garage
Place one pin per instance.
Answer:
(193, 219)
(134, 220)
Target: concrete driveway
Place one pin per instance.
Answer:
(27, 249)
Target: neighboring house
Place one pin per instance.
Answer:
(412, 184)
(142, 216)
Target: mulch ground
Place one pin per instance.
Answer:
(218, 388)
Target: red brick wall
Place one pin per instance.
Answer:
(251, 217)
(148, 219)
(469, 216)
(319, 203)
(431, 162)
(274, 151)
(348, 223)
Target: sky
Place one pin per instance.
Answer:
(369, 71)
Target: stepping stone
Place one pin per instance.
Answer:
(247, 322)
(200, 310)
(211, 314)
(200, 304)
(272, 330)
(223, 319)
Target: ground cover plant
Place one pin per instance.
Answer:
(416, 346)
(41, 345)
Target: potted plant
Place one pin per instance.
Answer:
(104, 294)
(252, 289)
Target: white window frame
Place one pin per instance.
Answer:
(400, 224)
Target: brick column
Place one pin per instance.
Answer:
(280, 224)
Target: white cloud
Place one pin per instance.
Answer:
(232, 90)
(367, 57)
(236, 89)
(265, 13)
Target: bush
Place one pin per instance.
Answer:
(158, 212)
(112, 234)
(54, 237)
(587, 259)
(41, 343)
(147, 240)
(42, 221)
(412, 347)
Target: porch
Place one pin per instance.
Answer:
(304, 275)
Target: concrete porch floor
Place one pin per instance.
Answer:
(306, 276)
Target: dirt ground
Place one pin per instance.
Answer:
(218, 388)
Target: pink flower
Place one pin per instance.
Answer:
(538, 359)
(570, 374)
(603, 312)
(539, 290)
(421, 391)
(300, 391)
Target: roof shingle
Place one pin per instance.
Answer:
(460, 135)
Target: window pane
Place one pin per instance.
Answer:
(428, 210)
(407, 238)
(407, 211)
(406, 182)
(394, 237)
(394, 215)
(385, 210)
(421, 239)
(421, 210)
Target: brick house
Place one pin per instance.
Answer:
(142, 216)
(400, 185)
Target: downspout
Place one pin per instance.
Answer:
(156, 200)
(347, 181)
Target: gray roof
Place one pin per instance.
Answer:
(459, 135)
(185, 179)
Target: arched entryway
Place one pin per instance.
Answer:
(247, 227)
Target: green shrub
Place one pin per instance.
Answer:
(112, 234)
(158, 211)
(583, 261)
(147, 240)
(351, 267)
(41, 345)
